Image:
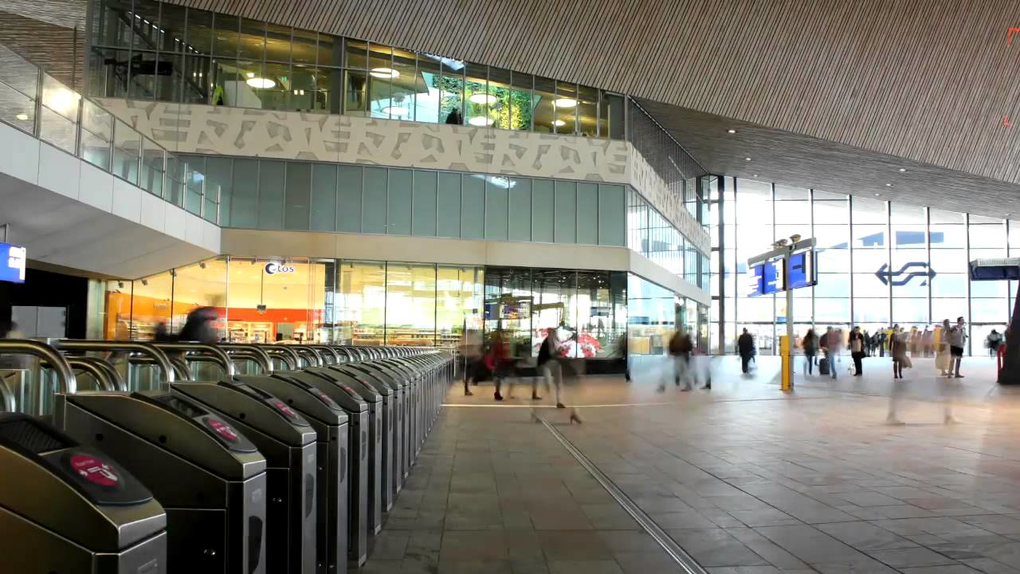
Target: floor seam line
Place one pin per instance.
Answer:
(678, 554)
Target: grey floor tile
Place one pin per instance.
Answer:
(620, 541)
(645, 563)
(475, 567)
(989, 566)
(716, 548)
(865, 536)
(868, 499)
(584, 567)
(765, 548)
(389, 545)
(763, 517)
(609, 516)
(681, 520)
(910, 557)
(529, 566)
(946, 569)
(809, 544)
(382, 567)
(745, 570)
(573, 545)
(473, 545)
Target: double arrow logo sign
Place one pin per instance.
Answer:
(901, 277)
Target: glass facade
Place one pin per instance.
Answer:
(151, 50)
(303, 196)
(652, 235)
(879, 263)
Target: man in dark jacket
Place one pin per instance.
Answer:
(745, 346)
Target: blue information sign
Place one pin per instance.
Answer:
(767, 278)
(12, 263)
(802, 270)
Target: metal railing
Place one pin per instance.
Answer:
(34, 102)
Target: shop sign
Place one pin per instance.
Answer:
(277, 268)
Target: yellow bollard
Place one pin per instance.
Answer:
(784, 352)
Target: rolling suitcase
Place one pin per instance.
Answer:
(823, 366)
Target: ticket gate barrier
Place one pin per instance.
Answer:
(377, 450)
(288, 443)
(357, 447)
(411, 393)
(65, 507)
(330, 423)
(210, 478)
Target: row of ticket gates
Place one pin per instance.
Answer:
(191, 458)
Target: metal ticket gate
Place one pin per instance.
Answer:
(331, 426)
(210, 478)
(357, 482)
(411, 393)
(393, 426)
(288, 443)
(377, 438)
(65, 507)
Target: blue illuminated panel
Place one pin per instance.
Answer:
(802, 270)
(12, 263)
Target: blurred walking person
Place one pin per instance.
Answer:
(829, 347)
(993, 341)
(957, 340)
(552, 369)
(857, 351)
(680, 348)
(745, 346)
(810, 346)
(943, 358)
(471, 350)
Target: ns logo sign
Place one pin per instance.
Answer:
(903, 276)
(278, 268)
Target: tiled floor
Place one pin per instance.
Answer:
(746, 479)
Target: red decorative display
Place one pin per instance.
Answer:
(285, 410)
(223, 430)
(94, 470)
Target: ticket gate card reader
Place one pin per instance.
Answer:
(357, 478)
(209, 478)
(407, 448)
(65, 507)
(331, 425)
(289, 444)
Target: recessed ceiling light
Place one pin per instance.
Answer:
(747, 159)
(385, 73)
(565, 103)
(481, 121)
(559, 123)
(888, 185)
(877, 194)
(754, 175)
(22, 117)
(903, 170)
(731, 131)
(482, 99)
(260, 83)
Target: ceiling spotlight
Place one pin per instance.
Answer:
(731, 131)
(747, 159)
(888, 185)
(754, 175)
(903, 170)
(482, 99)
(565, 103)
(22, 117)
(260, 83)
(481, 121)
(559, 123)
(384, 73)
(878, 194)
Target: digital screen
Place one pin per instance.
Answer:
(12, 263)
(756, 274)
(767, 278)
(802, 270)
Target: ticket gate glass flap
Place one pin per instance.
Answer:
(65, 507)
(410, 422)
(358, 447)
(210, 478)
(288, 443)
(330, 423)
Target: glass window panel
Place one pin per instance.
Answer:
(142, 83)
(218, 182)
(410, 304)
(499, 100)
(200, 33)
(478, 103)
(939, 216)
(452, 92)
(989, 289)
(362, 303)
(151, 305)
(244, 202)
(520, 210)
(949, 285)
(496, 200)
(201, 285)
(989, 311)
(176, 174)
(942, 309)
(948, 236)
(349, 198)
(869, 237)
(566, 212)
(831, 212)
(399, 202)
(869, 285)
(542, 206)
(449, 202)
(752, 309)
(198, 80)
(252, 42)
(753, 202)
(949, 261)
(299, 190)
(910, 311)
(868, 210)
(356, 53)
(427, 90)
(279, 43)
(113, 20)
(588, 213)
(544, 109)
(458, 303)
(281, 93)
(785, 193)
(423, 218)
(226, 77)
(987, 236)
(909, 237)
(613, 109)
(126, 148)
(168, 78)
(833, 285)
(987, 253)
(870, 310)
(794, 212)
(251, 85)
(521, 101)
(917, 259)
(225, 40)
(145, 33)
(380, 82)
(330, 51)
(900, 213)
(95, 150)
(403, 86)
(587, 111)
(566, 108)
(1014, 236)
(324, 193)
(832, 237)
(612, 207)
(195, 182)
(373, 213)
(153, 165)
(472, 221)
(272, 181)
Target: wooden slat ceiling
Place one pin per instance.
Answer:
(927, 80)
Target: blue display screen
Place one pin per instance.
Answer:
(766, 278)
(802, 270)
(12, 263)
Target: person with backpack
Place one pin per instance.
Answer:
(810, 346)
(680, 348)
(745, 347)
(829, 347)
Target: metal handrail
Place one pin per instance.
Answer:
(252, 352)
(307, 353)
(284, 353)
(65, 376)
(327, 349)
(90, 367)
(148, 349)
(182, 372)
(8, 405)
(192, 349)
